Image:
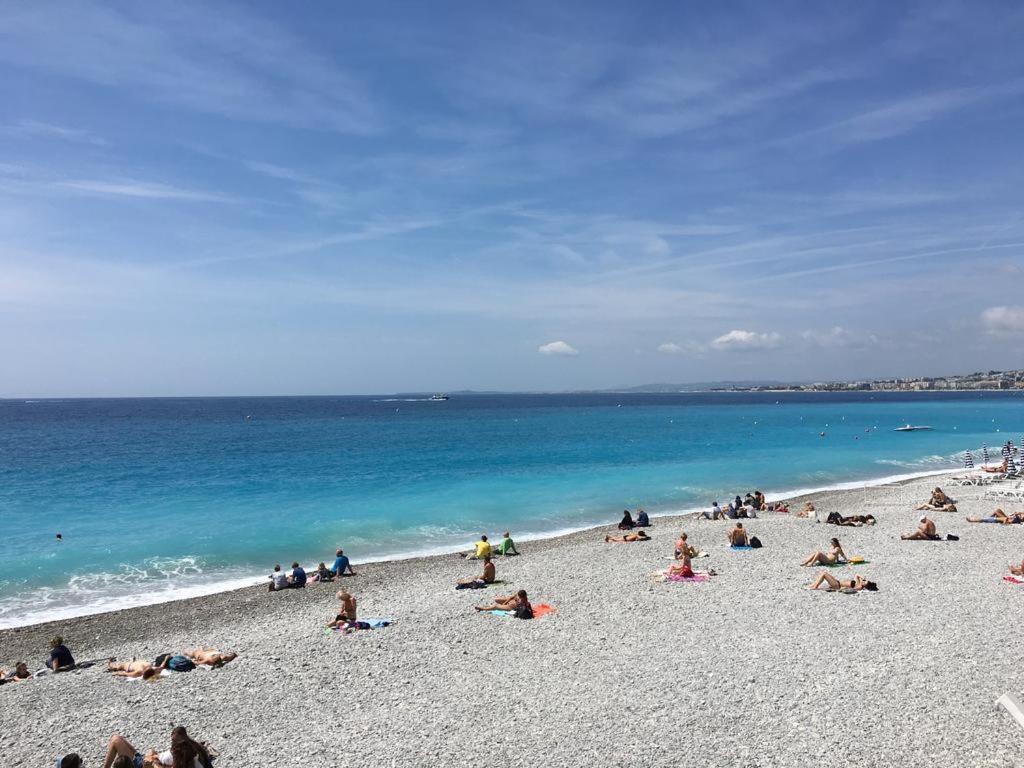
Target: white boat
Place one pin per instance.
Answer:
(912, 428)
(439, 396)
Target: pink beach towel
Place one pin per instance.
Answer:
(1013, 580)
(697, 577)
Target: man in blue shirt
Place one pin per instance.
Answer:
(341, 563)
(61, 659)
(298, 578)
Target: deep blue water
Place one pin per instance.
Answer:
(156, 496)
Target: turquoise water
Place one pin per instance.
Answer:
(159, 498)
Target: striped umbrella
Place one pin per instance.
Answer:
(1005, 450)
(1011, 467)
(984, 455)
(1020, 456)
(968, 460)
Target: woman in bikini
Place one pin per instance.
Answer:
(855, 584)
(834, 556)
(638, 536)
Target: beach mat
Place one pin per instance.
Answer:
(697, 578)
(740, 548)
(843, 565)
(539, 610)
(1013, 580)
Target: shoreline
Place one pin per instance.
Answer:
(192, 592)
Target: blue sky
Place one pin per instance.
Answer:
(261, 198)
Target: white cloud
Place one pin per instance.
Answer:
(670, 348)
(559, 348)
(1003, 320)
(836, 336)
(687, 347)
(34, 128)
(747, 340)
(143, 189)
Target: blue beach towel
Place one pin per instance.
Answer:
(738, 546)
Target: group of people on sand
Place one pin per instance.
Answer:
(181, 662)
(628, 523)
(297, 578)
(59, 660)
(483, 548)
(938, 502)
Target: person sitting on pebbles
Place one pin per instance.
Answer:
(183, 753)
(939, 502)
(638, 536)
(834, 556)
(683, 549)
(626, 523)
(487, 577)
(60, 659)
(925, 531)
(738, 536)
(684, 554)
(999, 517)
(518, 603)
(346, 611)
(507, 547)
(856, 584)
(209, 657)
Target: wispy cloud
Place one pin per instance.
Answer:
(1003, 320)
(37, 129)
(196, 56)
(741, 340)
(558, 349)
(140, 189)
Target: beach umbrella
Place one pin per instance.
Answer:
(1011, 467)
(968, 460)
(984, 455)
(1020, 456)
(1005, 451)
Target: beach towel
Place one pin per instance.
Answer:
(1013, 580)
(852, 561)
(696, 578)
(373, 623)
(540, 609)
(740, 546)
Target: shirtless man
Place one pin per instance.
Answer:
(999, 517)
(738, 537)
(855, 584)
(925, 531)
(939, 502)
(346, 611)
(211, 657)
(137, 668)
(638, 536)
(20, 673)
(517, 603)
(487, 577)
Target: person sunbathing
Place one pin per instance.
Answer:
(855, 584)
(483, 580)
(1001, 468)
(135, 669)
(738, 537)
(833, 557)
(209, 657)
(850, 521)
(183, 753)
(1017, 570)
(925, 531)
(346, 611)
(999, 517)
(638, 536)
(939, 502)
(518, 603)
(19, 673)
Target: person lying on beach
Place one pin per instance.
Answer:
(738, 537)
(322, 574)
(833, 557)
(346, 611)
(517, 603)
(925, 531)
(855, 584)
(638, 536)
(642, 520)
(807, 511)
(483, 580)
(60, 659)
(999, 517)
(278, 579)
(939, 502)
(1001, 468)
(850, 521)
(134, 669)
(341, 564)
(507, 547)
(183, 753)
(209, 657)
(74, 761)
(19, 673)
(626, 523)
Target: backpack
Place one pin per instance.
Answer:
(755, 543)
(181, 664)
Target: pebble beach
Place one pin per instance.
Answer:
(748, 669)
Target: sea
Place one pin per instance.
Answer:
(158, 499)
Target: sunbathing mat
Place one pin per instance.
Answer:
(854, 561)
(1013, 580)
(539, 610)
(742, 548)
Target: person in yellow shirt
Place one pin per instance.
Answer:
(481, 549)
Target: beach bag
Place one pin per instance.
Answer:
(181, 664)
(755, 543)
